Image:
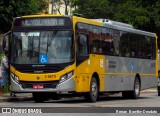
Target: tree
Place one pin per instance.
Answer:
(142, 14)
(66, 3)
(130, 12)
(15, 8)
(42, 5)
(57, 4)
(93, 8)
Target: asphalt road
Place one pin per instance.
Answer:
(110, 104)
(115, 100)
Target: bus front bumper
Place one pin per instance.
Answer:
(66, 86)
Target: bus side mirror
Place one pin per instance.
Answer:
(4, 43)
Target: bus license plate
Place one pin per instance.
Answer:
(38, 86)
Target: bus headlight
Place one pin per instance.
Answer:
(15, 78)
(66, 76)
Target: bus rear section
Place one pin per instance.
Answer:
(113, 57)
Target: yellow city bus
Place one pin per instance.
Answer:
(53, 55)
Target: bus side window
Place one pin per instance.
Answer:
(82, 44)
(140, 51)
(153, 49)
(124, 44)
(116, 42)
(148, 48)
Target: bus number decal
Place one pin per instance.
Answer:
(50, 76)
(101, 62)
(107, 64)
(131, 66)
(89, 62)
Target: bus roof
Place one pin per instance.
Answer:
(114, 25)
(127, 28)
(99, 22)
(43, 15)
(111, 22)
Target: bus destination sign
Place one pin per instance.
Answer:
(41, 22)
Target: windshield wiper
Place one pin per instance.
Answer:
(47, 44)
(32, 45)
(49, 41)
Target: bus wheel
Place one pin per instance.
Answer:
(38, 97)
(93, 94)
(133, 94)
(136, 92)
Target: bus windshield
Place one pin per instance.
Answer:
(55, 47)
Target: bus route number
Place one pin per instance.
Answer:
(50, 76)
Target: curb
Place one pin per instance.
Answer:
(149, 91)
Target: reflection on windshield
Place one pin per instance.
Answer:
(53, 46)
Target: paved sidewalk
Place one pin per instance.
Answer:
(28, 96)
(19, 97)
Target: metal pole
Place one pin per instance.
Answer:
(70, 7)
(66, 5)
(52, 6)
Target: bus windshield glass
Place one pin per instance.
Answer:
(42, 47)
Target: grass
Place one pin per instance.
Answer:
(6, 89)
(1, 55)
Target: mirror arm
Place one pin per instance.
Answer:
(4, 39)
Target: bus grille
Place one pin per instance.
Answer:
(40, 69)
(50, 84)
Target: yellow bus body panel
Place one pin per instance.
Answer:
(86, 70)
(41, 77)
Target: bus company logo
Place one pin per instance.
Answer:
(6, 110)
(107, 64)
(38, 65)
(38, 78)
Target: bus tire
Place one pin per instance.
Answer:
(136, 92)
(133, 94)
(38, 97)
(92, 95)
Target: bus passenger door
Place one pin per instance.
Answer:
(82, 48)
(82, 63)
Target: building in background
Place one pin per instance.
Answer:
(62, 7)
